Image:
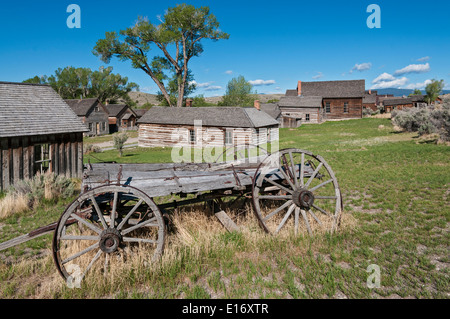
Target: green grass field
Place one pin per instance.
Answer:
(396, 190)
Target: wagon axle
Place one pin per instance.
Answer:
(303, 198)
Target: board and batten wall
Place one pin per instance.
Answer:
(18, 158)
(159, 135)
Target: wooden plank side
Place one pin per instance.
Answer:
(79, 155)
(26, 158)
(73, 155)
(17, 159)
(5, 163)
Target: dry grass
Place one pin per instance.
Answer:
(13, 204)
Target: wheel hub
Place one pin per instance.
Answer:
(110, 240)
(303, 198)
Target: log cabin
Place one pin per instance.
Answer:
(93, 114)
(206, 127)
(39, 133)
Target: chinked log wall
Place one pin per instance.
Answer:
(18, 156)
(151, 135)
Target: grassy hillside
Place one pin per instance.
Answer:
(396, 192)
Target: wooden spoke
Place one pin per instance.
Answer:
(306, 221)
(296, 217)
(325, 197)
(278, 185)
(279, 209)
(73, 237)
(99, 213)
(142, 224)
(114, 210)
(313, 175)
(286, 177)
(110, 239)
(88, 225)
(315, 218)
(320, 185)
(304, 193)
(132, 211)
(275, 197)
(321, 210)
(302, 169)
(285, 218)
(139, 240)
(96, 257)
(81, 253)
(293, 169)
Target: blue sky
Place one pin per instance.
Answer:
(274, 44)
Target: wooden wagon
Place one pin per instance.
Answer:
(123, 205)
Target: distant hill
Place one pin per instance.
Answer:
(401, 92)
(142, 98)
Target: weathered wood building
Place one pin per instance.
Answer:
(39, 133)
(92, 113)
(400, 103)
(206, 127)
(121, 117)
(316, 102)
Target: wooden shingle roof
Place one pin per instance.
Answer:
(300, 101)
(81, 107)
(31, 109)
(210, 116)
(334, 89)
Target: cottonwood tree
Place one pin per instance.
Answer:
(433, 90)
(177, 37)
(75, 83)
(239, 92)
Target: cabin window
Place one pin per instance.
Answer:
(192, 137)
(345, 107)
(228, 137)
(41, 158)
(104, 126)
(307, 117)
(90, 127)
(327, 107)
(97, 109)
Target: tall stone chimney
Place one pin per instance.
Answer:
(257, 105)
(299, 88)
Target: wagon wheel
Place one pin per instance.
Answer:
(245, 153)
(115, 221)
(295, 189)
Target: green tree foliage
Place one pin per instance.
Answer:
(119, 142)
(416, 92)
(239, 93)
(177, 37)
(433, 90)
(75, 83)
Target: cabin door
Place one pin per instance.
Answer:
(98, 129)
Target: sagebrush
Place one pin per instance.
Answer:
(427, 120)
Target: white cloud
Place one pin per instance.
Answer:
(146, 89)
(395, 83)
(318, 76)
(422, 85)
(201, 85)
(213, 88)
(229, 72)
(262, 82)
(361, 67)
(424, 59)
(414, 68)
(384, 77)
